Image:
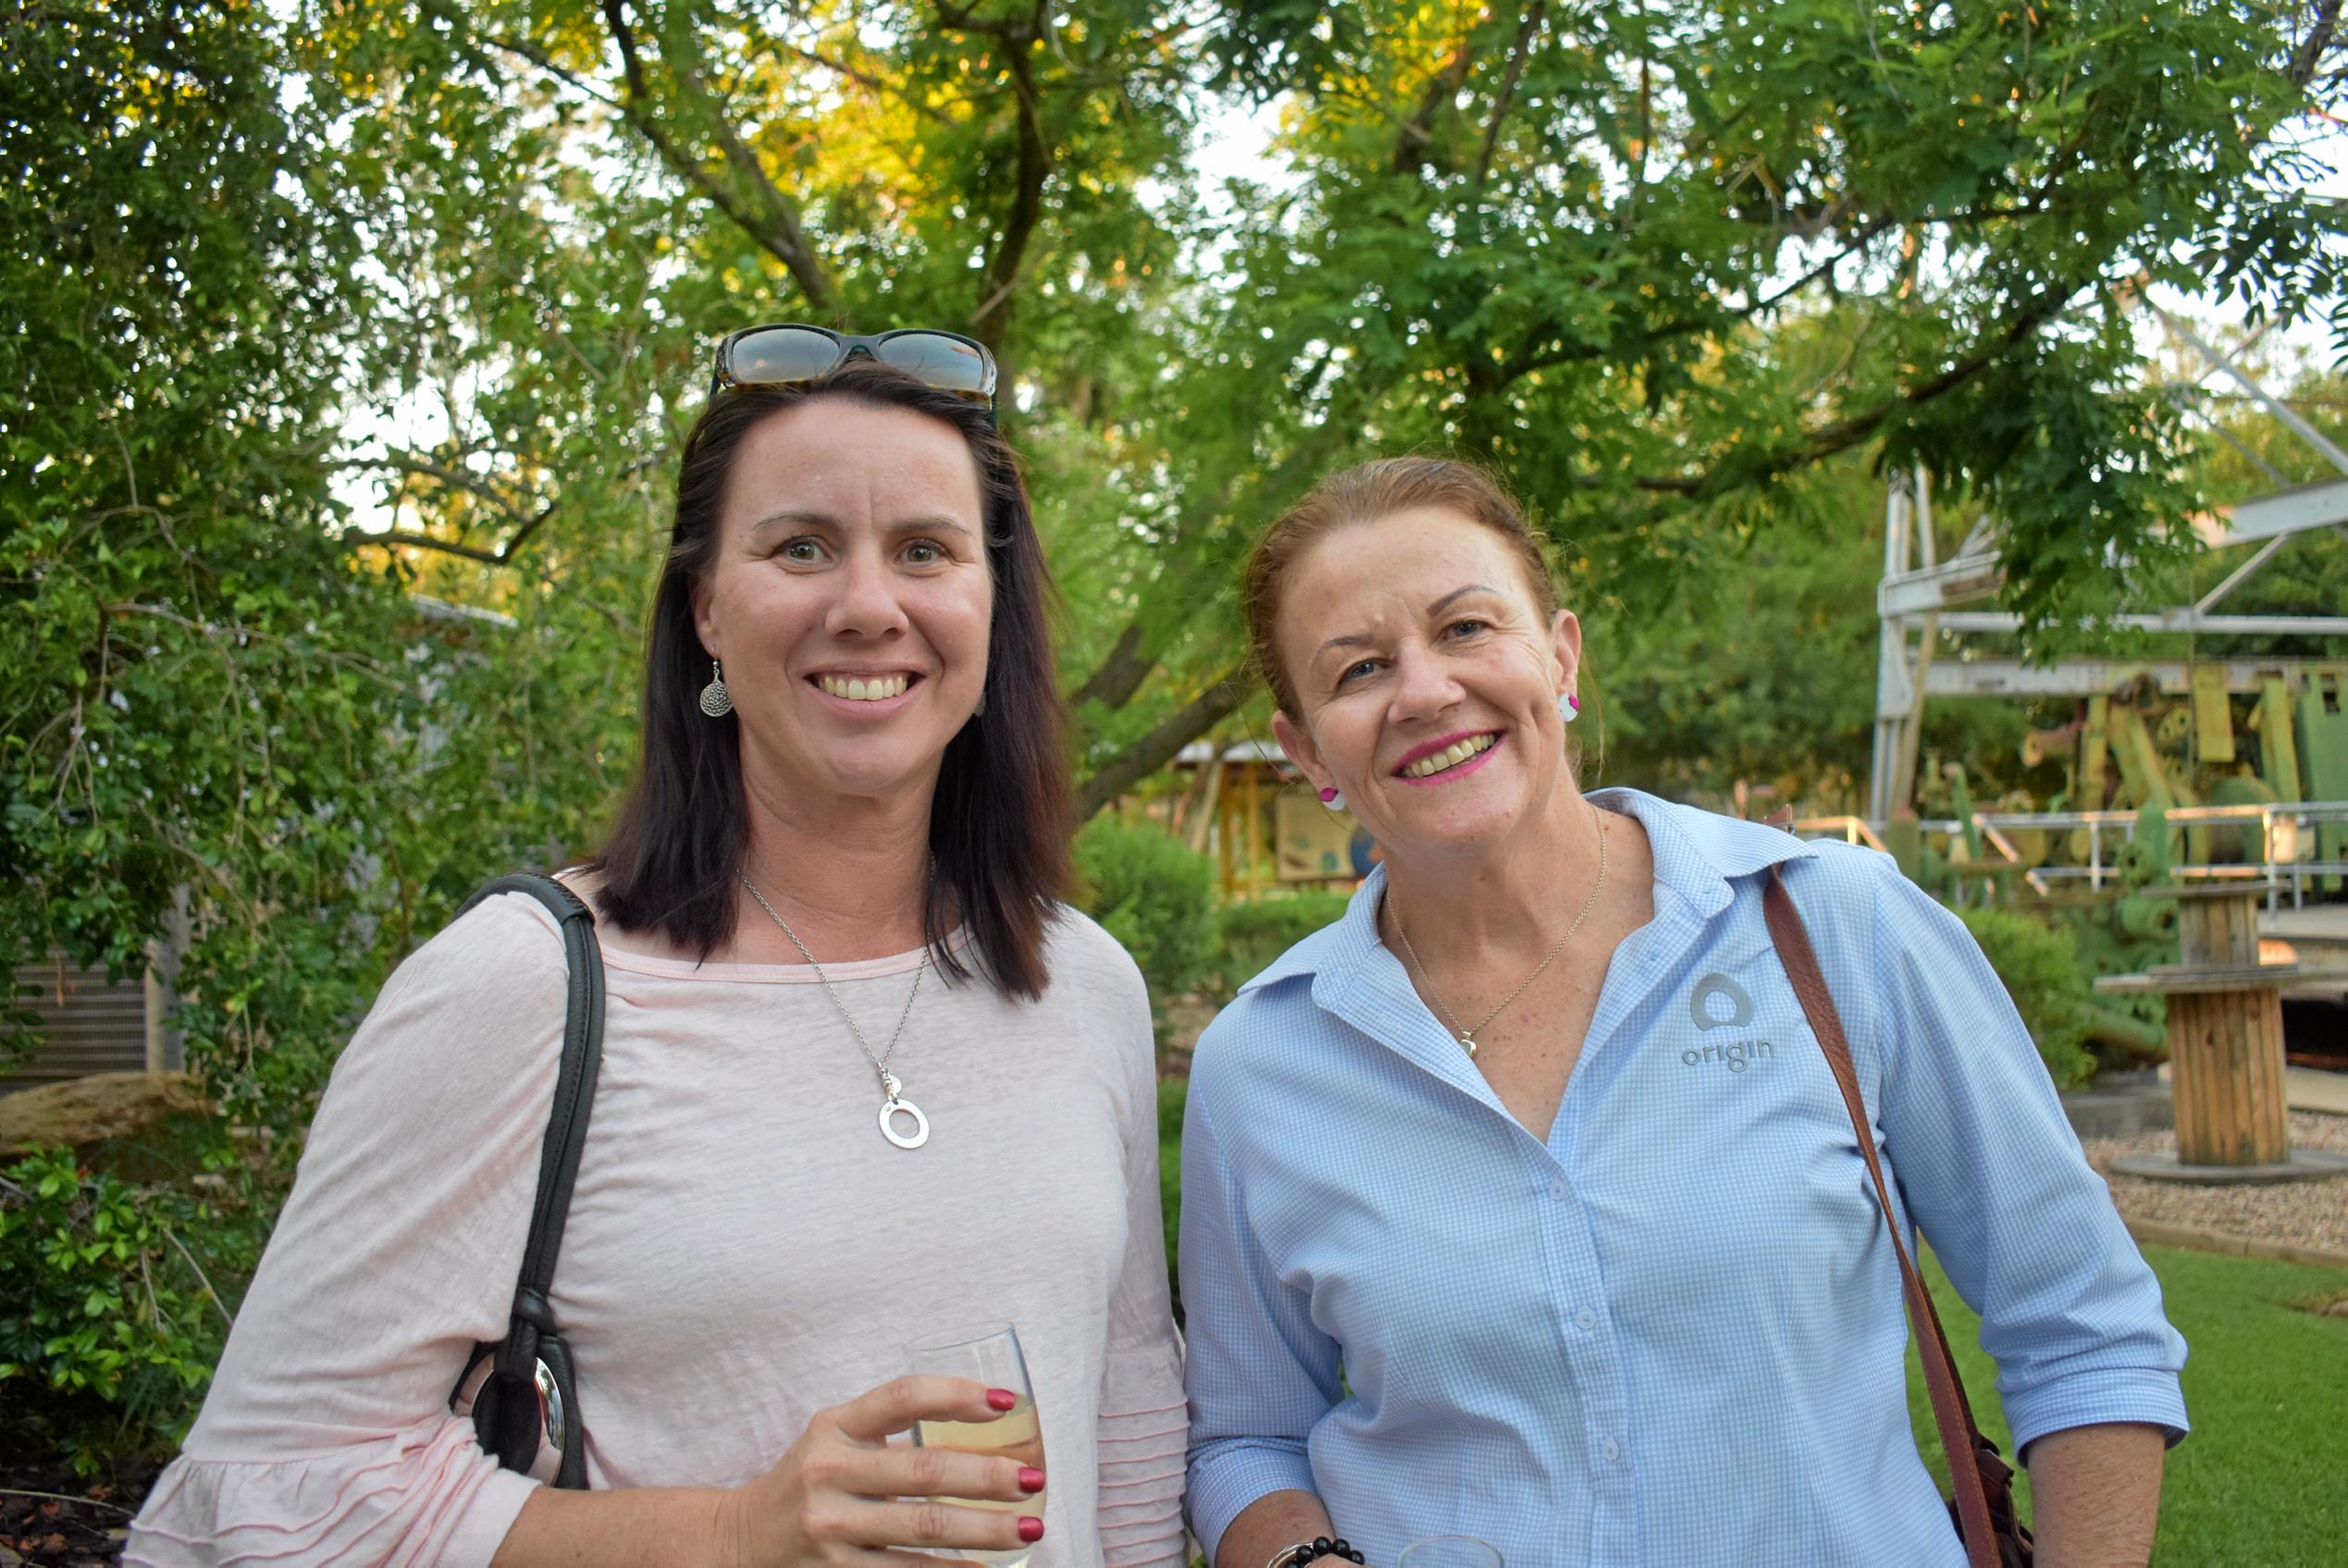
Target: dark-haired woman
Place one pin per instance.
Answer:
(863, 1080)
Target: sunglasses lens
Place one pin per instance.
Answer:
(781, 355)
(941, 360)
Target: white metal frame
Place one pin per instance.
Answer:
(2286, 842)
(1920, 594)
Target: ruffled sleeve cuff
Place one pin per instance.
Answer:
(421, 1498)
(1141, 1485)
(1140, 1435)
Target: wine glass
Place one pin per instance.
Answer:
(991, 1354)
(1450, 1552)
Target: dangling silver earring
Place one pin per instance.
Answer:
(716, 701)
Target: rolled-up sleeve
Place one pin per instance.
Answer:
(326, 1435)
(1260, 1373)
(1993, 1174)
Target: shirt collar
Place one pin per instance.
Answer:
(1697, 855)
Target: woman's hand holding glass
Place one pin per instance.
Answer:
(844, 1494)
(991, 1354)
(1450, 1552)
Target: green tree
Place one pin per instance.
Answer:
(203, 689)
(1685, 271)
(1657, 263)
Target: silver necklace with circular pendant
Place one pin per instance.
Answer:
(893, 1101)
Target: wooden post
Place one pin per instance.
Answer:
(2226, 1059)
(1254, 823)
(2225, 1047)
(1226, 809)
(2218, 930)
(2225, 1044)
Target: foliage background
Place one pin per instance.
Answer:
(348, 344)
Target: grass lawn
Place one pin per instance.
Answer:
(2259, 1483)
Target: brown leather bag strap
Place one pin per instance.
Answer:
(1959, 1439)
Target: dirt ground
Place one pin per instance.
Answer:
(2302, 1214)
(45, 1532)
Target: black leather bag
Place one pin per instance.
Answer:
(521, 1392)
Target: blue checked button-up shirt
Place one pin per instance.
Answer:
(1670, 1335)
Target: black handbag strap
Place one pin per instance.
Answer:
(532, 1336)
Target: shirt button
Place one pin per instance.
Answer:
(1588, 1319)
(1557, 1191)
(1610, 1451)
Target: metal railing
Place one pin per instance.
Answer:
(2287, 842)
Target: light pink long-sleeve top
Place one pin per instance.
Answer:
(743, 1250)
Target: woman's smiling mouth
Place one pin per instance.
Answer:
(874, 691)
(1455, 757)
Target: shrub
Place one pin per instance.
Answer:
(1155, 896)
(1248, 936)
(110, 1320)
(2039, 964)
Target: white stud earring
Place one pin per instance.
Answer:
(1334, 799)
(1569, 707)
(716, 701)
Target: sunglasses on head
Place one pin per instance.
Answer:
(788, 354)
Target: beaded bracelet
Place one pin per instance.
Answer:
(1297, 1556)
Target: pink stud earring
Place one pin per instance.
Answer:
(1569, 707)
(1334, 799)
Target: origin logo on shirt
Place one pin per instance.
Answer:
(1704, 1006)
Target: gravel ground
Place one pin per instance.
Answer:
(2305, 1214)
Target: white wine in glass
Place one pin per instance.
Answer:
(990, 1354)
(1450, 1552)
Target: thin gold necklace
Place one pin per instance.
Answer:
(1467, 1036)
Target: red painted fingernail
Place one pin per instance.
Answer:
(1030, 1529)
(1031, 1478)
(1001, 1399)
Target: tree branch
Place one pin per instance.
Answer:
(521, 537)
(1000, 277)
(2040, 202)
(1534, 14)
(927, 111)
(1154, 750)
(213, 631)
(1840, 436)
(630, 106)
(1135, 653)
(62, 1497)
(965, 18)
(778, 228)
(456, 478)
(527, 522)
(1119, 674)
(2302, 70)
(425, 541)
(210, 1291)
(1413, 143)
(1517, 368)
